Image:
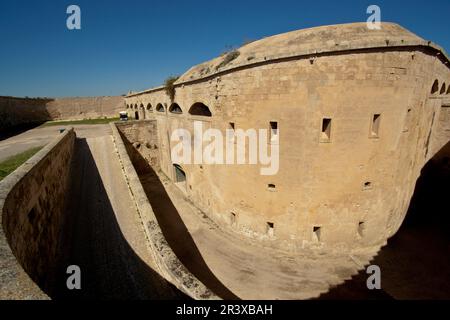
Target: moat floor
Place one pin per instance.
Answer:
(104, 236)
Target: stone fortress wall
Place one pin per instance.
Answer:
(20, 111)
(359, 113)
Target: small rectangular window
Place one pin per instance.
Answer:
(273, 131)
(271, 187)
(375, 126)
(270, 228)
(407, 121)
(233, 218)
(231, 131)
(361, 227)
(326, 130)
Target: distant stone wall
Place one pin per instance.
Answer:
(356, 120)
(31, 207)
(85, 108)
(18, 111)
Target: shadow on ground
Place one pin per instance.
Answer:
(92, 239)
(14, 131)
(415, 264)
(173, 227)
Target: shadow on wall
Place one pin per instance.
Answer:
(16, 130)
(172, 226)
(21, 114)
(415, 264)
(92, 239)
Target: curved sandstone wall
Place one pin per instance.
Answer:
(31, 208)
(346, 187)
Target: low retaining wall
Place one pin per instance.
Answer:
(169, 266)
(32, 208)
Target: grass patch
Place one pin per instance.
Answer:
(169, 86)
(85, 121)
(12, 163)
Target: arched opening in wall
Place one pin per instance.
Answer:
(160, 108)
(442, 89)
(435, 87)
(175, 108)
(128, 106)
(199, 109)
(141, 111)
(448, 89)
(135, 106)
(136, 115)
(149, 107)
(179, 177)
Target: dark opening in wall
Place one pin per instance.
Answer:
(160, 108)
(375, 126)
(448, 89)
(149, 107)
(367, 185)
(270, 229)
(435, 87)
(361, 228)
(175, 108)
(180, 175)
(32, 215)
(407, 120)
(317, 233)
(232, 219)
(273, 130)
(326, 130)
(199, 109)
(271, 187)
(442, 89)
(231, 126)
(136, 115)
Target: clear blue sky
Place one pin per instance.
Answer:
(136, 44)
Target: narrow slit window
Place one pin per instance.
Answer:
(233, 218)
(317, 233)
(273, 131)
(231, 131)
(361, 228)
(270, 229)
(375, 126)
(326, 130)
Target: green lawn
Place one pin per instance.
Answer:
(12, 163)
(85, 121)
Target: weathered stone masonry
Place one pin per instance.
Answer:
(32, 203)
(359, 113)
